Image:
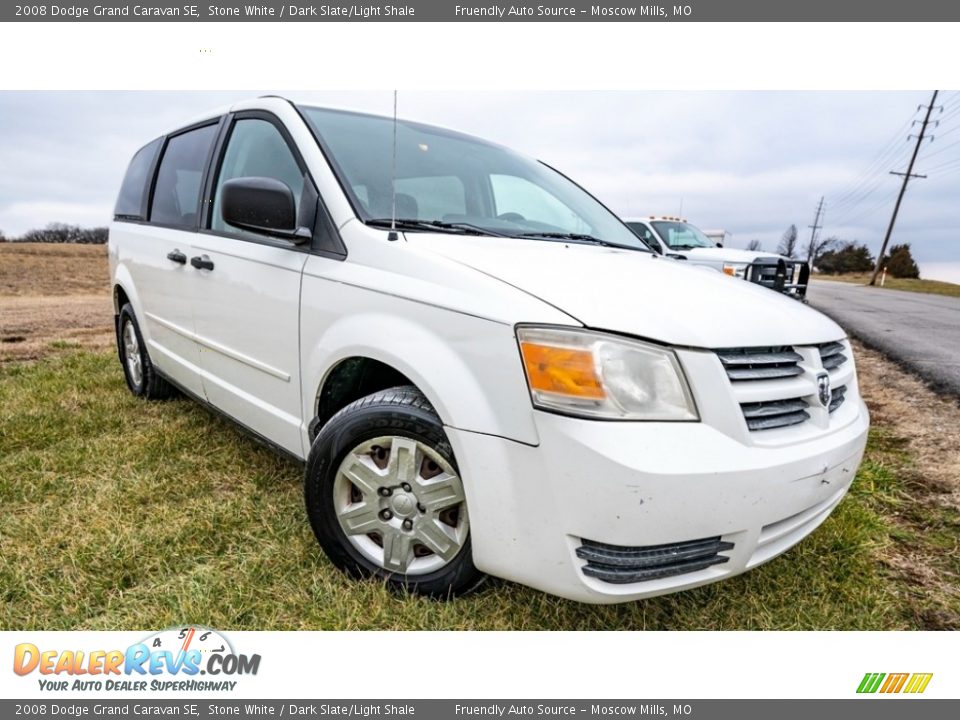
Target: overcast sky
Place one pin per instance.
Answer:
(750, 163)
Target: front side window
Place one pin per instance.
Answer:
(682, 236)
(176, 194)
(256, 149)
(443, 179)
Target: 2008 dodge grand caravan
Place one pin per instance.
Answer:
(484, 369)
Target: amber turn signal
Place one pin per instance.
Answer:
(561, 370)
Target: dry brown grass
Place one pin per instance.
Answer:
(930, 423)
(920, 445)
(920, 285)
(52, 298)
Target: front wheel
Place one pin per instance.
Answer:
(385, 498)
(138, 370)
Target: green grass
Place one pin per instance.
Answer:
(933, 287)
(123, 514)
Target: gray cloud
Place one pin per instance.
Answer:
(751, 163)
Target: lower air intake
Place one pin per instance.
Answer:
(621, 565)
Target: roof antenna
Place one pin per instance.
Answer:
(392, 236)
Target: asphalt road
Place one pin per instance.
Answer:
(920, 331)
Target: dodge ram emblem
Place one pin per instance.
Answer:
(823, 389)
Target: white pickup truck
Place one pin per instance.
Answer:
(676, 238)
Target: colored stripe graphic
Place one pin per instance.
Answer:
(894, 683)
(918, 683)
(870, 682)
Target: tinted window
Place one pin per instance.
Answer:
(134, 187)
(256, 149)
(176, 195)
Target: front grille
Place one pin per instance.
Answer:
(767, 363)
(621, 565)
(831, 355)
(787, 394)
(774, 413)
(838, 397)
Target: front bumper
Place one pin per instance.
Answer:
(644, 484)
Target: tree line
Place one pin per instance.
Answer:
(830, 256)
(833, 256)
(61, 233)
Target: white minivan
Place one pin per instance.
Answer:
(485, 371)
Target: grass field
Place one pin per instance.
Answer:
(122, 514)
(934, 287)
(53, 298)
(114, 520)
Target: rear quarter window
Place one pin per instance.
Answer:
(131, 202)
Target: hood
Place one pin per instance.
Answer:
(639, 293)
(724, 255)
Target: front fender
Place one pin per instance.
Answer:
(471, 374)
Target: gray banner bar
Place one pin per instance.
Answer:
(873, 708)
(478, 10)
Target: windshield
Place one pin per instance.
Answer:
(681, 236)
(448, 181)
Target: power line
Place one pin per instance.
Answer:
(946, 168)
(857, 215)
(864, 194)
(906, 179)
(880, 159)
(937, 152)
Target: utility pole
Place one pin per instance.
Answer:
(811, 248)
(903, 188)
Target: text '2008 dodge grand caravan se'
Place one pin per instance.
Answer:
(485, 370)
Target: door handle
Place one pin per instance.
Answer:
(202, 262)
(177, 257)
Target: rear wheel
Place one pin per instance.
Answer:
(142, 378)
(385, 498)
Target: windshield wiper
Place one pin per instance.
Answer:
(414, 224)
(579, 237)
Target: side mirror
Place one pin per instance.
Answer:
(262, 205)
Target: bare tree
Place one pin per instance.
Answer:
(816, 247)
(63, 233)
(788, 243)
(755, 245)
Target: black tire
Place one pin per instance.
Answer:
(150, 385)
(399, 411)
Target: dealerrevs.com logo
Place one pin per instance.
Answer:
(890, 683)
(179, 659)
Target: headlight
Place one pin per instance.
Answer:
(735, 269)
(590, 374)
